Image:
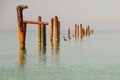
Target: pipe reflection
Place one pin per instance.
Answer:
(42, 53)
(55, 56)
(51, 47)
(22, 60)
(22, 54)
(39, 48)
(57, 44)
(43, 49)
(54, 48)
(81, 38)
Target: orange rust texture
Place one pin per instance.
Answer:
(88, 30)
(75, 31)
(51, 30)
(22, 35)
(81, 29)
(22, 57)
(56, 29)
(34, 22)
(43, 34)
(39, 29)
(69, 33)
(21, 25)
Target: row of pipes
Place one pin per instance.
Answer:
(54, 28)
(80, 30)
(54, 33)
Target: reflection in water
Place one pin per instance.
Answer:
(81, 38)
(51, 47)
(54, 51)
(21, 72)
(42, 53)
(57, 44)
(22, 57)
(39, 48)
(22, 54)
(76, 39)
(43, 50)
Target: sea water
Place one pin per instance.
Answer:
(94, 57)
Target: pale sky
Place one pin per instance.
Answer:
(99, 14)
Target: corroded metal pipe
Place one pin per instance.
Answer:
(68, 33)
(75, 31)
(81, 29)
(56, 28)
(88, 31)
(43, 34)
(21, 25)
(34, 22)
(51, 30)
(39, 29)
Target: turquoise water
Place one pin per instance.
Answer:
(95, 57)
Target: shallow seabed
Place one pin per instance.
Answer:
(95, 57)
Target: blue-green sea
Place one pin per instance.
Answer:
(94, 57)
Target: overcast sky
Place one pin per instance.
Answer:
(99, 14)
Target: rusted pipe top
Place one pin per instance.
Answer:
(22, 6)
(34, 22)
(45, 23)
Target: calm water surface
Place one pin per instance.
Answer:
(95, 57)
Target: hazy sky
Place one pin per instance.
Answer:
(99, 14)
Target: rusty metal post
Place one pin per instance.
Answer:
(68, 33)
(78, 30)
(56, 28)
(88, 30)
(75, 30)
(22, 35)
(21, 25)
(39, 29)
(24, 28)
(51, 30)
(43, 34)
(81, 29)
